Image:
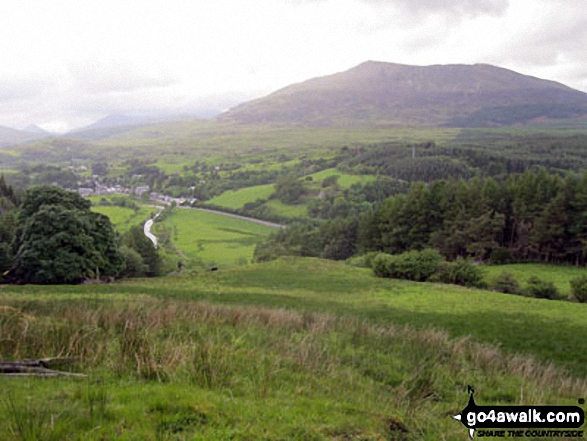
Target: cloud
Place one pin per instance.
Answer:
(99, 76)
(469, 8)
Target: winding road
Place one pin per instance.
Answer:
(147, 231)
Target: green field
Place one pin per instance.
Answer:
(286, 210)
(122, 217)
(235, 199)
(212, 238)
(291, 349)
(557, 274)
(345, 180)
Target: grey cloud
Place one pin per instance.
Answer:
(116, 76)
(15, 90)
(456, 7)
(555, 47)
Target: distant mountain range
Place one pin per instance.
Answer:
(10, 137)
(457, 95)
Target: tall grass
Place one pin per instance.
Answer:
(291, 375)
(215, 346)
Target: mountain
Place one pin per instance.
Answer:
(118, 124)
(110, 125)
(35, 129)
(439, 95)
(10, 137)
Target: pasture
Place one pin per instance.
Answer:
(235, 199)
(291, 349)
(557, 274)
(209, 238)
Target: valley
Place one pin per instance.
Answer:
(338, 260)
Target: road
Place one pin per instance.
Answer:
(147, 231)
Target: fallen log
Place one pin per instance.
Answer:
(37, 368)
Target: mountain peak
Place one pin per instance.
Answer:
(33, 128)
(437, 95)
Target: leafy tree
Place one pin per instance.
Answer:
(60, 240)
(289, 190)
(505, 282)
(133, 263)
(541, 289)
(579, 288)
(135, 239)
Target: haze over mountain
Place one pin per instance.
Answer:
(438, 95)
(117, 124)
(10, 137)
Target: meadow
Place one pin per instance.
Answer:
(344, 180)
(559, 275)
(208, 238)
(235, 199)
(123, 218)
(291, 349)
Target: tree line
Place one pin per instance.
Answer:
(532, 216)
(50, 236)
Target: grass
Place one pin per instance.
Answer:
(548, 330)
(235, 199)
(345, 180)
(211, 238)
(286, 210)
(161, 368)
(560, 275)
(178, 143)
(122, 217)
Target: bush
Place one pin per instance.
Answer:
(500, 256)
(579, 288)
(460, 272)
(362, 261)
(134, 265)
(541, 289)
(412, 265)
(507, 284)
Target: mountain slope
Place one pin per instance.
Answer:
(452, 95)
(10, 137)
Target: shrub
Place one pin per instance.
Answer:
(541, 289)
(362, 261)
(460, 272)
(500, 255)
(506, 283)
(412, 265)
(579, 288)
(134, 265)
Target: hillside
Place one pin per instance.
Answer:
(439, 95)
(10, 137)
(293, 349)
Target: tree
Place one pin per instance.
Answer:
(135, 239)
(59, 240)
(289, 190)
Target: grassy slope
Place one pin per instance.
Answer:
(548, 329)
(237, 198)
(244, 372)
(291, 211)
(345, 180)
(123, 218)
(557, 274)
(213, 238)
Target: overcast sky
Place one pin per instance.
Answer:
(66, 63)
